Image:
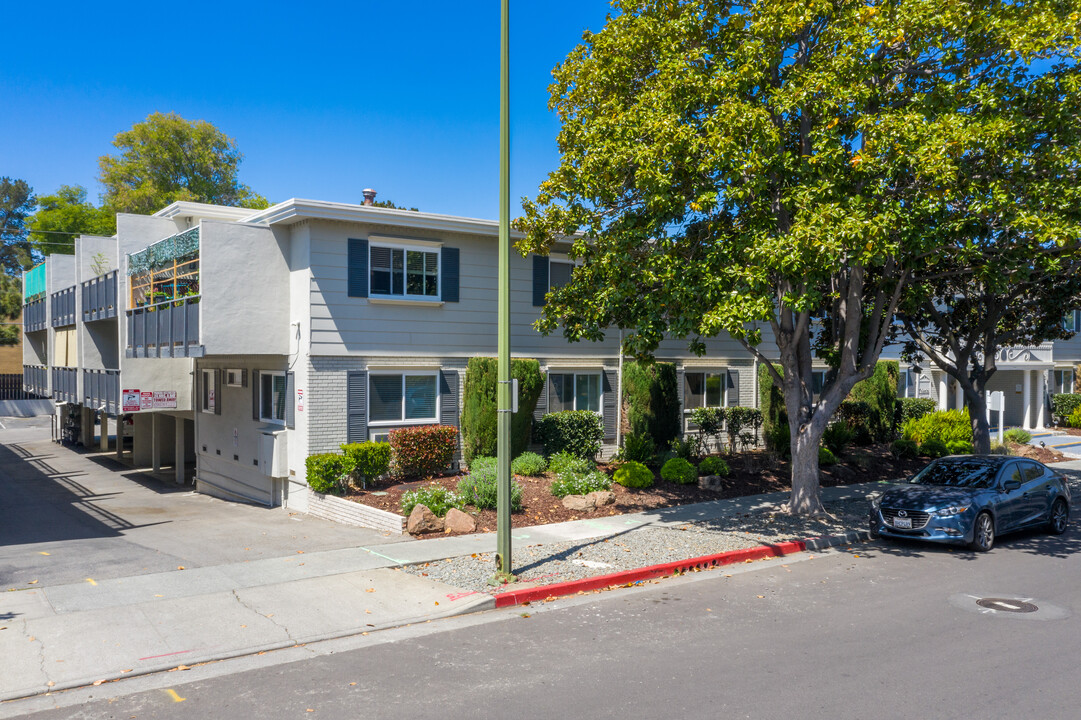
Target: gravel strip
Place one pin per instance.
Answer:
(645, 546)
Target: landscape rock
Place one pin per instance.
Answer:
(458, 521)
(580, 503)
(423, 520)
(711, 482)
(602, 497)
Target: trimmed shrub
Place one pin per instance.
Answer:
(1074, 420)
(481, 489)
(479, 405)
(639, 448)
(529, 463)
(906, 449)
(1017, 435)
(826, 458)
(946, 426)
(634, 475)
(739, 419)
(879, 394)
(1064, 404)
(367, 460)
(325, 472)
(651, 401)
(713, 466)
(678, 470)
(837, 437)
(959, 447)
(575, 431)
(779, 439)
(434, 497)
(565, 462)
(580, 483)
(999, 449)
(424, 450)
(934, 448)
(914, 408)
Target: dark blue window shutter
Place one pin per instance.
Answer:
(733, 388)
(448, 397)
(256, 388)
(217, 391)
(449, 274)
(358, 268)
(290, 400)
(681, 393)
(540, 279)
(608, 405)
(357, 407)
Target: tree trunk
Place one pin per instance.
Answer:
(804, 499)
(981, 429)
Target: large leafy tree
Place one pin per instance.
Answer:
(65, 215)
(17, 201)
(167, 158)
(1011, 236)
(769, 169)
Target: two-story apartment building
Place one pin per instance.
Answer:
(231, 344)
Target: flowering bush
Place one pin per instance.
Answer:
(424, 450)
(571, 483)
(481, 489)
(434, 497)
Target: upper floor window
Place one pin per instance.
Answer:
(1069, 322)
(574, 391)
(405, 272)
(704, 389)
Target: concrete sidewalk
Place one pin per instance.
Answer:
(74, 634)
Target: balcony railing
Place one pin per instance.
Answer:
(36, 380)
(99, 297)
(63, 307)
(102, 388)
(34, 317)
(66, 384)
(165, 329)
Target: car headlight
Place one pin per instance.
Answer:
(876, 501)
(950, 511)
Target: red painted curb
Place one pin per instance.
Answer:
(543, 592)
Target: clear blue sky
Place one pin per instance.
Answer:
(324, 99)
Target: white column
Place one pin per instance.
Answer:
(178, 464)
(1026, 399)
(1038, 406)
(943, 392)
(960, 397)
(104, 432)
(155, 443)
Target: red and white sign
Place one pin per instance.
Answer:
(165, 399)
(130, 401)
(300, 400)
(146, 400)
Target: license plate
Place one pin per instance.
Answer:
(904, 523)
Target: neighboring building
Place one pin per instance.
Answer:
(231, 344)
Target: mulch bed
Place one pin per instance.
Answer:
(752, 473)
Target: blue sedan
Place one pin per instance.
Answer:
(971, 499)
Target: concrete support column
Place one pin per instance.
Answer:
(104, 432)
(178, 463)
(120, 437)
(943, 392)
(1026, 400)
(155, 443)
(86, 427)
(960, 397)
(1038, 406)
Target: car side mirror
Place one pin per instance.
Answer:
(1011, 485)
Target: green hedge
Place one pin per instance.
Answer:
(479, 405)
(945, 426)
(678, 470)
(771, 401)
(912, 408)
(1065, 403)
(879, 392)
(651, 401)
(575, 431)
(325, 472)
(366, 460)
(634, 475)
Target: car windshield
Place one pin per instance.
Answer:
(958, 473)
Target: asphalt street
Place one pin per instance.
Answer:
(878, 630)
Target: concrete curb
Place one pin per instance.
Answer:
(512, 598)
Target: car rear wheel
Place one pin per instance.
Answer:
(983, 533)
(1060, 517)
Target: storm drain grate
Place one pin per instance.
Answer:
(1007, 605)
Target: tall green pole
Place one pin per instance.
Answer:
(503, 395)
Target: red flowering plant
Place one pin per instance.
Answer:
(424, 450)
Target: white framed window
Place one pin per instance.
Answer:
(1063, 381)
(404, 271)
(704, 388)
(1069, 322)
(208, 400)
(574, 391)
(403, 397)
(909, 384)
(236, 378)
(272, 396)
(559, 273)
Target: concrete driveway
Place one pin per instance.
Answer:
(67, 516)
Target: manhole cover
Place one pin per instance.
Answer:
(1007, 605)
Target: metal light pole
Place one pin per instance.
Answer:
(503, 393)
